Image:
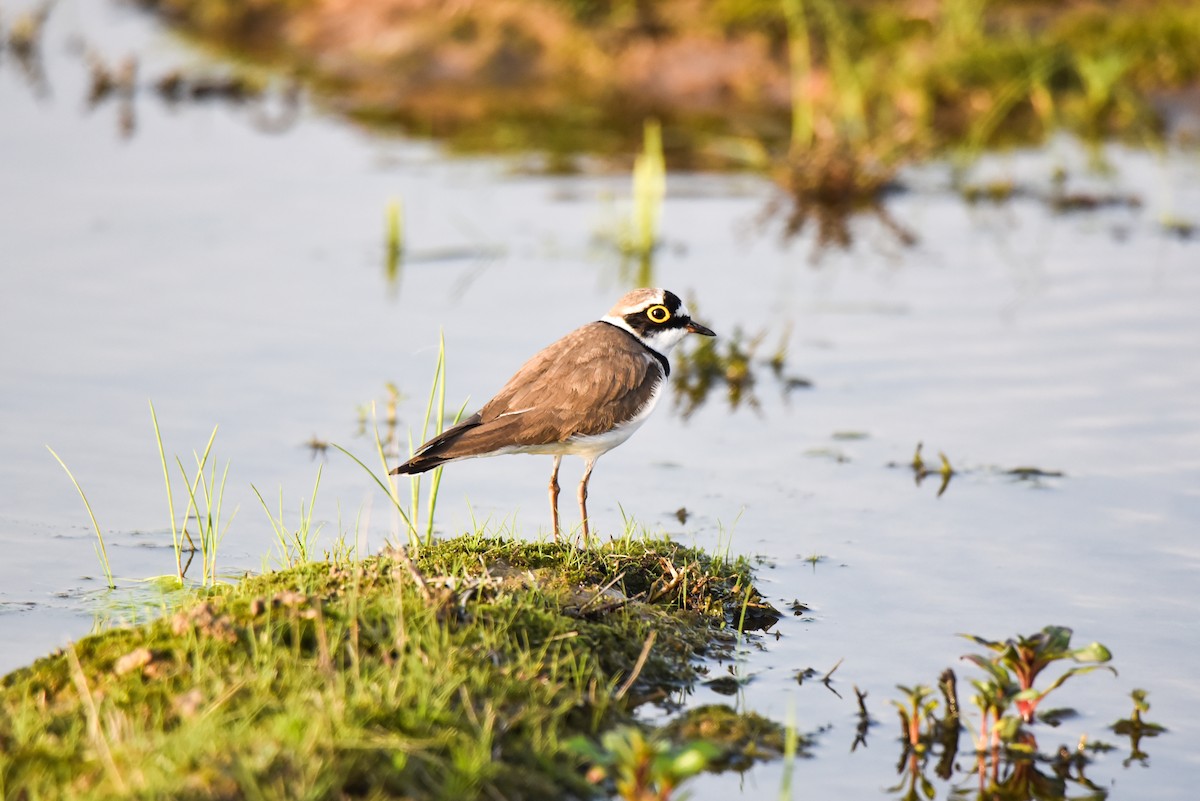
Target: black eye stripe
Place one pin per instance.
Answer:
(643, 324)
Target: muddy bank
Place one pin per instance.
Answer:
(737, 83)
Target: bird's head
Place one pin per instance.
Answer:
(655, 316)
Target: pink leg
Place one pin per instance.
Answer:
(583, 482)
(554, 496)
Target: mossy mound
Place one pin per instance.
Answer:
(459, 674)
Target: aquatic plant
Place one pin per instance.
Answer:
(1025, 657)
(791, 749)
(637, 237)
(1007, 752)
(921, 470)
(25, 33)
(915, 710)
(205, 493)
(800, 67)
(393, 248)
(1135, 728)
(711, 364)
(992, 698)
(437, 389)
(649, 189)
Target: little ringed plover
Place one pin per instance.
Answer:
(583, 395)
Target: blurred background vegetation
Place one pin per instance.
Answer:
(737, 83)
(829, 98)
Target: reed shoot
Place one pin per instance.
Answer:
(101, 550)
(295, 547)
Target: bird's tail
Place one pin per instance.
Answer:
(419, 464)
(436, 452)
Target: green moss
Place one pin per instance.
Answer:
(330, 680)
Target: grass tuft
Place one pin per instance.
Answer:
(295, 547)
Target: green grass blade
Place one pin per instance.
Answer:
(101, 550)
(176, 536)
(382, 485)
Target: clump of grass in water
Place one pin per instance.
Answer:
(207, 506)
(394, 242)
(833, 168)
(206, 495)
(640, 237)
(466, 684)
(800, 69)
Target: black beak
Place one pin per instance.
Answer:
(694, 327)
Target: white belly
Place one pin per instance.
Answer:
(592, 446)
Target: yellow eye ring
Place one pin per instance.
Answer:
(658, 314)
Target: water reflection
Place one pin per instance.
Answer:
(921, 471)
(118, 83)
(24, 41)
(728, 363)
(828, 186)
(865, 721)
(1135, 729)
(271, 111)
(368, 421)
(1017, 771)
(1009, 763)
(397, 254)
(945, 471)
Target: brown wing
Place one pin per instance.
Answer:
(588, 382)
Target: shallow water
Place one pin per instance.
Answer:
(236, 278)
